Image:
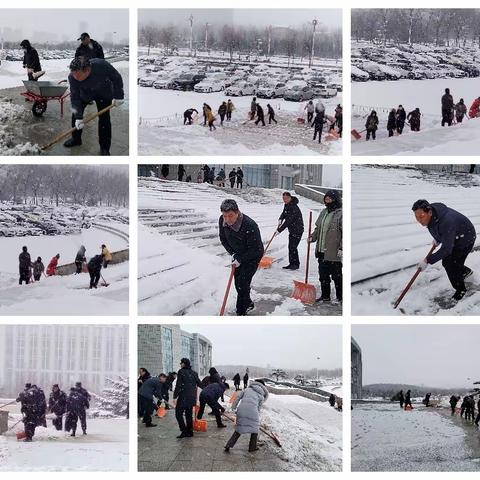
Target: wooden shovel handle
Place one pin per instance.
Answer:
(308, 245)
(268, 244)
(227, 291)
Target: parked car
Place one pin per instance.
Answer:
(187, 81)
(359, 75)
(209, 85)
(147, 81)
(240, 88)
(164, 82)
(299, 93)
(325, 91)
(271, 90)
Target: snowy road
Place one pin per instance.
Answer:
(386, 238)
(386, 438)
(183, 268)
(460, 139)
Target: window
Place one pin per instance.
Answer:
(167, 349)
(187, 347)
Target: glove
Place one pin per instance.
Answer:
(422, 265)
(435, 243)
(79, 124)
(235, 263)
(117, 102)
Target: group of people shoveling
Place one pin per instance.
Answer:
(240, 236)
(455, 234)
(34, 408)
(32, 271)
(92, 79)
(246, 403)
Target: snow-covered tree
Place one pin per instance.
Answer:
(278, 373)
(113, 401)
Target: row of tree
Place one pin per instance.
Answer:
(75, 184)
(293, 42)
(441, 26)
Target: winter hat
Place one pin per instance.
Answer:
(25, 44)
(229, 205)
(336, 200)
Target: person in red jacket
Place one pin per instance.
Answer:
(52, 266)
(475, 108)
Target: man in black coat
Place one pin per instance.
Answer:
(245, 381)
(239, 178)
(186, 396)
(33, 407)
(76, 405)
(89, 48)
(57, 404)
(447, 108)
(401, 117)
(241, 238)
(401, 398)
(317, 125)
(271, 114)
(187, 115)
(24, 265)
(236, 381)
(408, 399)
(168, 387)
(31, 61)
(291, 219)
(152, 387)
(96, 81)
(210, 396)
(94, 267)
(453, 403)
(232, 176)
(83, 414)
(456, 235)
(260, 115)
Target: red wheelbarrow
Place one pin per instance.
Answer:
(40, 93)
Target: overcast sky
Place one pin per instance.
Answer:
(259, 17)
(432, 355)
(53, 25)
(278, 346)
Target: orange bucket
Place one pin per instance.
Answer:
(21, 435)
(161, 412)
(200, 425)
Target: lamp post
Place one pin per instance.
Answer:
(191, 34)
(312, 52)
(206, 36)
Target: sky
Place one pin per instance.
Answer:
(332, 175)
(278, 346)
(444, 356)
(54, 25)
(259, 17)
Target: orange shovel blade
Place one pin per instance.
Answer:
(161, 412)
(266, 262)
(356, 135)
(200, 425)
(21, 435)
(304, 292)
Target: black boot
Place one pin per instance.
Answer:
(104, 152)
(71, 142)
(459, 294)
(252, 445)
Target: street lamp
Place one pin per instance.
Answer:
(312, 52)
(191, 35)
(206, 36)
(318, 358)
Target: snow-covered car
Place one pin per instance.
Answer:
(325, 91)
(240, 88)
(299, 93)
(359, 75)
(271, 90)
(209, 85)
(374, 71)
(164, 82)
(147, 81)
(187, 81)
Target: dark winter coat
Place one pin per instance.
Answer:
(248, 404)
(401, 117)
(292, 218)
(414, 117)
(33, 402)
(371, 123)
(460, 109)
(260, 113)
(232, 175)
(95, 264)
(143, 378)
(240, 174)
(57, 403)
(222, 110)
(76, 402)
(186, 387)
(24, 262)
(103, 83)
(189, 112)
(451, 229)
(270, 110)
(211, 393)
(245, 245)
(81, 254)
(391, 122)
(447, 102)
(236, 379)
(318, 121)
(31, 59)
(38, 268)
(92, 50)
(84, 392)
(152, 387)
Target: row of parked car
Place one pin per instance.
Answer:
(236, 80)
(371, 61)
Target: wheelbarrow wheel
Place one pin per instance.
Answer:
(39, 108)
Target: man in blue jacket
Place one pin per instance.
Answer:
(455, 234)
(93, 80)
(210, 396)
(153, 387)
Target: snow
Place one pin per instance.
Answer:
(161, 129)
(386, 237)
(190, 261)
(386, 438)
(105, 448)
(433, 139)
(317, 442)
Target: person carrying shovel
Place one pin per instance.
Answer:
(456, 235)
(291, 219)
(240, 236)
(328, 248)
(97, 81)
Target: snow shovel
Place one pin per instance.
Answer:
(266, 262)
(161, 412)
(227, 291)
(410, 283)
(104, 284)
(6, 404)
(21, 435)
(356, 134)
(71, 130)
(305, 292)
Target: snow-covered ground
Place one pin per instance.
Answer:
(317, 442)
(433, 139)
(183, 268)
(161, 130)
(104, 448)
(387, 238)
(387, 438)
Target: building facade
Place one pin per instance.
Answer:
(357, 382)
(63, 354)
(160, 348)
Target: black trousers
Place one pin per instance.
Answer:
(215, 406)
(58, 422)
(390, 132)
(455, 267)
(37, 277)
(229, 115)
(24, 277)
(222, 118)
(146, 409)
(477, 420)
(372, 133)
(78, 266)
(187, 119)
(459, 119)
(293, 241)
(252, 446)
(309, 117)
(328, 271)
(82, 415)
(94, 279)
(400, 128)
(232, 183)
(446, 116)
(239, 184)
(104, 125)
(243, 278)
(319, 132)
(30, 421)
(185, 425)
(271, 118)
(452, 408)
(260, 119)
